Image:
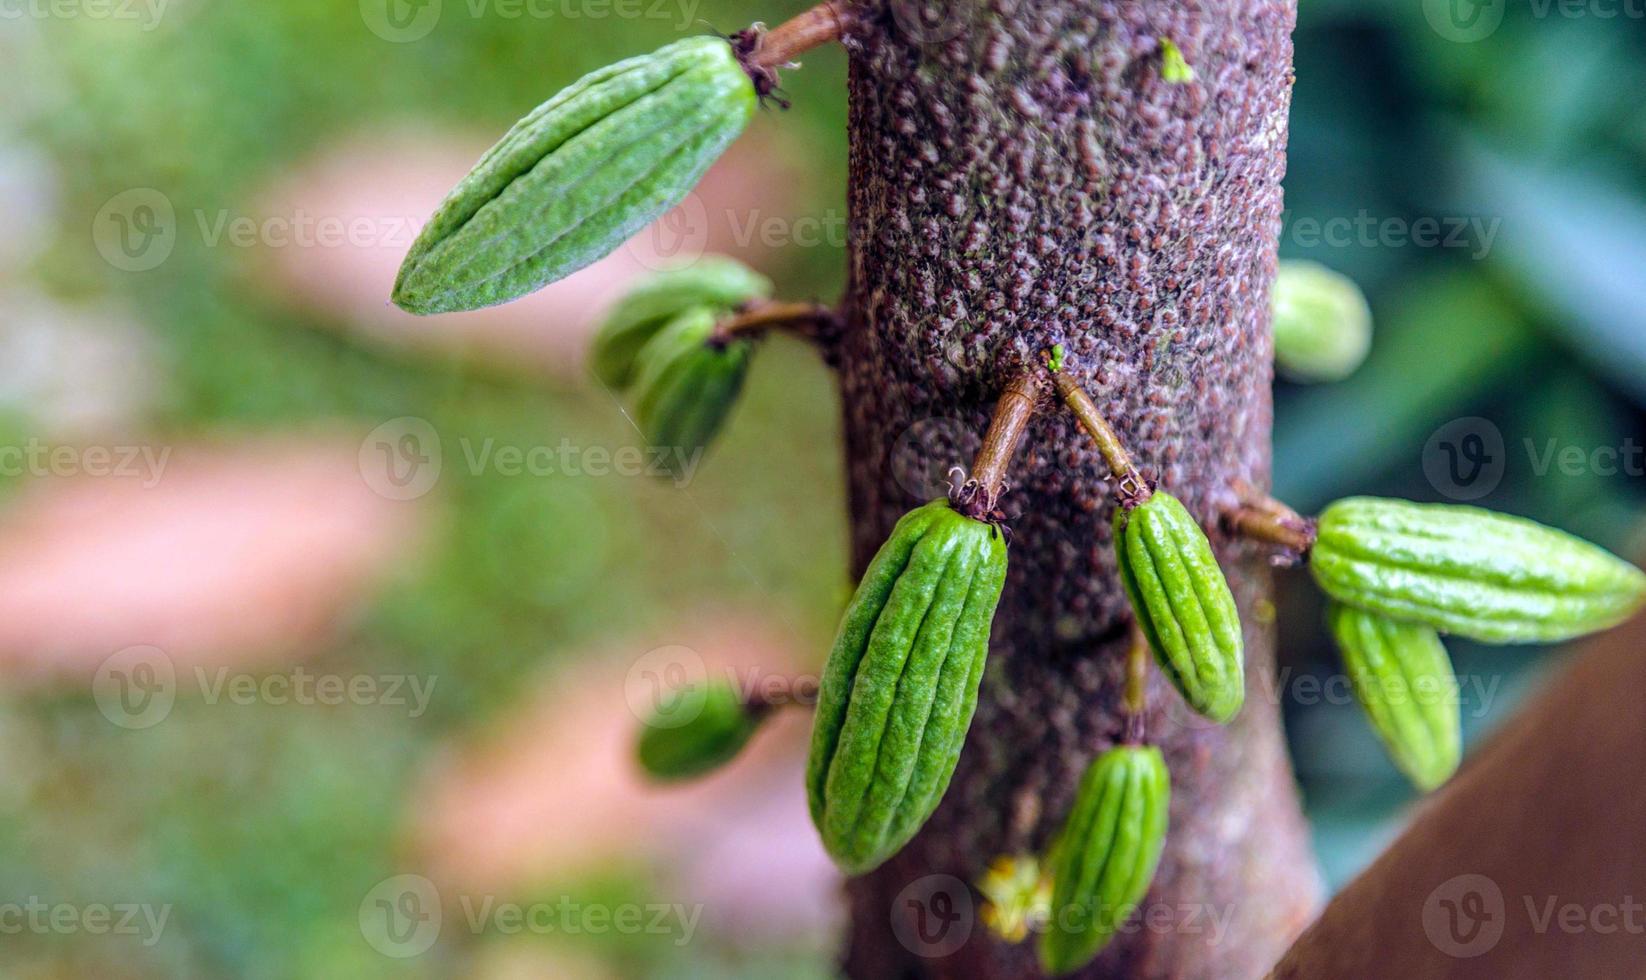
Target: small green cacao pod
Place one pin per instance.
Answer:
(579, 175)
(695, 733)
(1322, 323)
(900, 686)
(1183, 603)
(685, 385)
(1468, 571)
(716, 282)
(1104, 858)
(1404, 680)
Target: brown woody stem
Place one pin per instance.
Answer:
(791, 692)
(1269, 521)
(1137, 673)
(1011, 419)
(810, 320)
(820, 25)
(1132, 490)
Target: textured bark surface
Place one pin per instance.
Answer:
(1021, 176)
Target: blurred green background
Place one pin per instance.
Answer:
(263, 830)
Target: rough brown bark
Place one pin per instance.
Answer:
(1528, 863)
(1021, 176)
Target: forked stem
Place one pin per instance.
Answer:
(1131, 487)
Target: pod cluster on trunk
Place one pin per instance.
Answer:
(685, 385)
(659, 343)
(713, 282)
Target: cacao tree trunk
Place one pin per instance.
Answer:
(1022, 176)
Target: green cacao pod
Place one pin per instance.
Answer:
(1182, 603)
(1322, 323)
(1105, 856)
(1468, 571)
(579, 175)
(716, 282)
(900, 686)
(670, 749)
(685, 385)
(1404, 680)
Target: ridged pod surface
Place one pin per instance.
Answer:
(1182, 603)
(1463, 570)
(714, 281)
(579, 175)
(685, 385)
(1403, 678)
(900, 685)
(1105, 856)
(671, 751)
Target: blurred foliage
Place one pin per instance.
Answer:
(264, 827)
(1534, 322)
